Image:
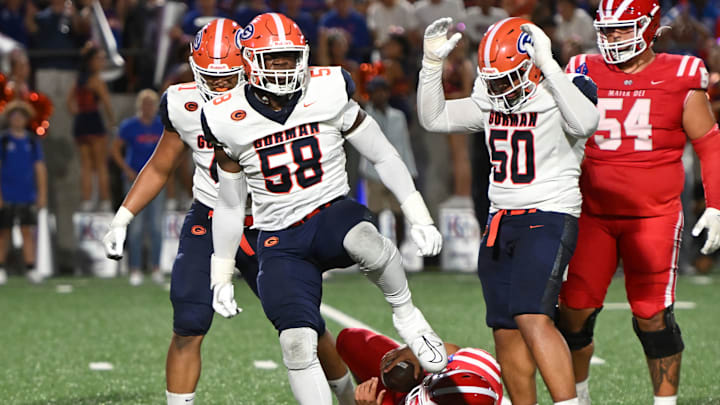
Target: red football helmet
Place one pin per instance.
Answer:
(274, 33)
(452, 388)
(641, 16)
(509, 76)
(478, 361)
(216, 52)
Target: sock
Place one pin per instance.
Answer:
(671, 400)
(309, 385)
(583, 392)
(180, 399)
(343, 389)
(573, 401)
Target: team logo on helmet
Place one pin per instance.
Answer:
(238, 115)
(523, 40)
(198, 40)
(191, 106)
(247, 33)
(238, 38)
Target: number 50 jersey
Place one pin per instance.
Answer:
(633, 164)
(293, 159)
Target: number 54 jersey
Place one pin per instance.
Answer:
(633, 164)
(293, 159)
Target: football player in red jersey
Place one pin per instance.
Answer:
(472, 376)
(632, 177)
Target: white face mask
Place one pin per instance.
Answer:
(278, 82)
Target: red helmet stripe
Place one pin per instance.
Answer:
(279, 25)
(608, 8)
(217, 46)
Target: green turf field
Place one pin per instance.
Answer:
(48, 339)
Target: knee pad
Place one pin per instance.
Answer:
(661, 343)
(299, 347)
(367, 247)
(578, 340)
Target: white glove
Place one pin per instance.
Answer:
(428, 239)
(221, 272)
(540, 49)
(114, 239)
(422, 230)
(709, 220)
(436, 45)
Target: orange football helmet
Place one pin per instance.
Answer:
(216, 51)
(641, 16)
(508, 73)
(275, 33)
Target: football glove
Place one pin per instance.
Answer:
(540, 49)
(436, 45)
(709, 220)
(114, 239)
(221, 272)
(422, 231)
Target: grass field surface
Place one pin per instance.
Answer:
(49, 337)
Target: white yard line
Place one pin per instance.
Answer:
(343, 318)
(625, 305)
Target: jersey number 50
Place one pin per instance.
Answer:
(278, 178)
(636, 124)
(500, 158)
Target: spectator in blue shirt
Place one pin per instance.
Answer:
(12, 20)
(343, 16)
(304, 20)
(138, 136)
(23, 182)
(245, 13)
(203, 12)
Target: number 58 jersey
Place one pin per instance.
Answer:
(293, 159)
(633, 164)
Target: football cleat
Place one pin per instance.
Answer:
(425, 344)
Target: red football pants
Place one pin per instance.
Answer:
(649, 248)
(362, 350)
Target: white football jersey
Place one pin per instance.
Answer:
(293, 164)
(181, 112)
(535, 164)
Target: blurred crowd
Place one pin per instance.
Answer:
(64, 75)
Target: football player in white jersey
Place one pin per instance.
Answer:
(536, 120)
(284, 132)
(217, 65)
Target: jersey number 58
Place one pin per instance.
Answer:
(306, 155)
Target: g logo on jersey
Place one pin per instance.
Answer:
(247, 33)
(191, 106)
(238, 115)
(198, 40)
(522, 42)
(271, 241)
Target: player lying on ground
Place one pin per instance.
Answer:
(536, 120)
(190, 291)
(284, 132)
(472, 376)
(632, 177)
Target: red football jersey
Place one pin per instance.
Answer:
(632, 164)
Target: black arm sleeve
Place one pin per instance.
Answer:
(207, 132)
(349, 83)
(480, 163)
(587, 87)
(164, 114)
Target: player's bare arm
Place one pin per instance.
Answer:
(700, 126)
(156, 172)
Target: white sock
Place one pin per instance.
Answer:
(573, 401)
(309, 385)
(180, 399)
(344, 389)
(583, 392)
(671, 400)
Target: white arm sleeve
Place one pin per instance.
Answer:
(370, 141)
(229, 214)
(580, 116)
(437, 115)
